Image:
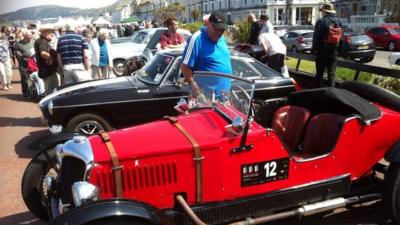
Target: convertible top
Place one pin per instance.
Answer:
(335, 100)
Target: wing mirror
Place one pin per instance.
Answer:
(182, 106)
(237, 126)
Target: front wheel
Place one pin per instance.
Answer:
(33, 186)
(392, 46)
(88, 124)
(119, 67)
(391, 192)
(118, 221)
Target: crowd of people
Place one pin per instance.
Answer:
(72, 54)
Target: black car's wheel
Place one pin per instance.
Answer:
(397, 62)
(33, 187)
(119, 67)
(391, 46)
(88, 124)
(118, 221)
(391, 192)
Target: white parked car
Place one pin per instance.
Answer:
(141, 40)
(394, 59)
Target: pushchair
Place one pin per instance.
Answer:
(35, 84)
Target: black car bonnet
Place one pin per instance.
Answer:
(335, 100)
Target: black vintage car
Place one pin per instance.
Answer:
(148, 94)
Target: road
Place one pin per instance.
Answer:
(20, 125)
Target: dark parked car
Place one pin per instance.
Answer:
(386, 37)
(149, 94)
(357, 47)
(213, 164)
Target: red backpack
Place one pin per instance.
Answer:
(334, 33)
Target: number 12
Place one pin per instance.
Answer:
(270, 169)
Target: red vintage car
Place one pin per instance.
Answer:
(213, 164)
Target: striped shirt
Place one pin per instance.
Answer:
(71, 46)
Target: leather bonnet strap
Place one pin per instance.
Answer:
(197, 156)
(116, 167)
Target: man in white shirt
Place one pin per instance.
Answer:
(267, 26)
(275, 50)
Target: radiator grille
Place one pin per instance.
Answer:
(139, 177)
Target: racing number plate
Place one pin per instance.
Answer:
(263, 172)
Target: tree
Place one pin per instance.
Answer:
(195, 14)
(172, 10)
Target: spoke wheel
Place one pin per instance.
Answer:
(88, 124)
(33, 187)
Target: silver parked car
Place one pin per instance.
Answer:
(298, 40)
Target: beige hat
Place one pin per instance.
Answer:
(328, 8)
(47, 27)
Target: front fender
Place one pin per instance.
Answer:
(51, 140)
(393, 155)
(112, 208)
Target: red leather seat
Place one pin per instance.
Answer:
(289, 122)
(322, 132)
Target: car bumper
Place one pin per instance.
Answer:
(356, 54)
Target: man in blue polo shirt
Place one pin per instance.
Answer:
(207, 50)
(73, 56)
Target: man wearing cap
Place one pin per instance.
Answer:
(46, 58)
(207, 50)
(73, 56)
(326, 53)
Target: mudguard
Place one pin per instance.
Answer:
(393, 155)
(51, 140)
(112, 208)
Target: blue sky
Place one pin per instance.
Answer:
(13, 5)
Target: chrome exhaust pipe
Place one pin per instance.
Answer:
(305, 210)
(310, 209)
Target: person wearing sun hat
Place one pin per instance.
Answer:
(46, 59)
(326, 53)
(207, 50)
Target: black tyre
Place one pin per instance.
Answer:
(391, 46)
(391, 192)
(397, 62)
(88, 124)
(119, 67)
(118, 221)
(373, 93)
(33, 188)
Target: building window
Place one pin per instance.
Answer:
(212, 6)
(219, 5)
(245, 2)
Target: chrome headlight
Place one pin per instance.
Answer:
(84, 192)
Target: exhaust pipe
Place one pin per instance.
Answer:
(311, 209)
(306, 210)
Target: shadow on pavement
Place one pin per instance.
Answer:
(18, 98)
(25, 218)
(22, 147)
(22, 122)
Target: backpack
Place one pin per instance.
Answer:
(334, 33)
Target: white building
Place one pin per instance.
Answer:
(280, 12)
(121, 14)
